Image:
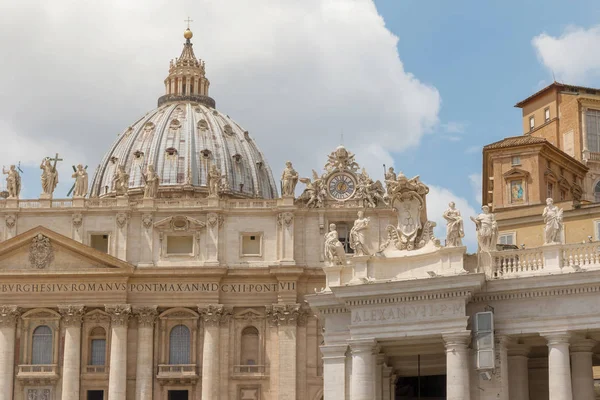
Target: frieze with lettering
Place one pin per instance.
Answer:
(402, 313)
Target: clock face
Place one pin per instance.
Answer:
(341, 186)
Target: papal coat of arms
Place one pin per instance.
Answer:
(41, 253)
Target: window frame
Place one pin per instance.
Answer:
(189, 348)
(512, 234)
(260, 236)
(175, 255)
(531, 123)
(588, 115)
(547, 114)
(98, 233)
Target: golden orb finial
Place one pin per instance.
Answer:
(188, 34)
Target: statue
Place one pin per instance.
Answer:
(358, 235)
(49, 177)
(81, 182)
(487, 230)
(151, 182)
(214, 181)
(553, 218)
(390, 180)
(340, 160)
(314, 192)
(368, 191)
(121, 181)
(13, 182)
(454, 229)
(334, 249)
(289, 179)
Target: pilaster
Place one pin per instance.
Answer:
(213, 222)
(212, 317)
(285, 230)
(582, 377)
(72, 316)
(117, 379)
(122, 227)
(8, 319)
(146, 317)
(518, 371)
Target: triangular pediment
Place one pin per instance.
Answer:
(42, 251)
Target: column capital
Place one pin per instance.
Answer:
(558, 337)
(363, 346)
(9, 315)
(582, 345)
(519, 350)
(119, 313)
(214, 314)
(334, 351)
(146, 315)
(456, 340)
(286, 314)
(72, 315)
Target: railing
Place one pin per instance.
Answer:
(41, 370)
(98, 203)
(517, 262)
(593, 156)
(62, 203)
(29, 203)
(252, 204)
(250, 369)
(580, 254)
(177, 370)
(181, 203)
(96, 369)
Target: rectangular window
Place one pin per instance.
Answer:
(547, 114)
(592, 129)
(516, 160)
(251, 245)
(99, 242)
(563, 195)
(597, 230)
(98, 356)
(344, 236)
(507, 238)
(180, 245)
(531, 123)
(550, 191)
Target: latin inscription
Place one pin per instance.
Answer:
(408, 312)
(147, 287)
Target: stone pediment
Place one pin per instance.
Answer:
(43, 251)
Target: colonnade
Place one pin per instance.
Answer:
(356, 370)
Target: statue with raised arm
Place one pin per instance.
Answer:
(214, 181)
(13, 182)
(334, 249)
(553, 218)
(151, 182)
(289, 179)
(314, 192)
(358, 235)
(49, 177)
(454, 228)
(487, 230)
(121, 181)
(81, 182)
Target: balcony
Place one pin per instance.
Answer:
(95, 372)
(42, 373)
(250, 371)
(177, 373)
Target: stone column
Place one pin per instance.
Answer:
(117, 378)
(8, 319)
(457, 365)
(559, 368)
(72, 317)
(518, 372)
(146, 316)
(363, 369)
(502, 342)
(334, 371)
(379, 361)
(386, 383)
(582, 377)
(286, 317)
(212, 315)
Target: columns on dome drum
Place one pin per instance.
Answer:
(117, 378)
(582, 373)
(457, 365)
(212, 316)
(363, 367)
(71, 318)
(559, 368)
(146, 316)
(8, 319)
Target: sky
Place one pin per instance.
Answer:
(418, 85)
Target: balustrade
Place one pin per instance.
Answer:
(517, 262)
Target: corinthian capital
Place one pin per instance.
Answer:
(287, 314)
(146, 315)
(9, 315)
(119, 313)
(214, 314)
(72, 314)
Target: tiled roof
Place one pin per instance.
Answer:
(515, 141)
(554, 84)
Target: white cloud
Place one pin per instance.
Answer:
(573, 57)
(473, 149)
(437, 202)
(454, 127)
(476, 183)
(294, 74)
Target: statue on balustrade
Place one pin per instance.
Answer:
(454, 228)
(49, 177)
(553, 218)
(358, 235)
(289, 179)
(81, 182)
(151, 182)
(487, 230)
(13, 182)
(121, 181)
(334, 249)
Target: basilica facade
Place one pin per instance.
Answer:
(184, 269)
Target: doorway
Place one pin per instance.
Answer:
(432, 387)
(95, 395)
(178, 395)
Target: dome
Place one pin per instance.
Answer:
(182, 139)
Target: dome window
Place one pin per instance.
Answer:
(259, 165)
(148, 127)
(247, 135)
(215, 112)
(206, 153)
(138, 154)
(237, 157)
(114, 159)
(228, 129)
(175, 124)
(128, 131)
(171, 151)
(202, 125)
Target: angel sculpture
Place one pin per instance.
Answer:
(368, 191)
(314, 192)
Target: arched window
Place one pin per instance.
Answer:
(597, 192)
(249, 346)
(41, 345)
(179, 345)
(98, 346)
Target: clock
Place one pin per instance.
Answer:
(341, 186)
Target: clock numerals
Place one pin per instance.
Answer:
(341, 187)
